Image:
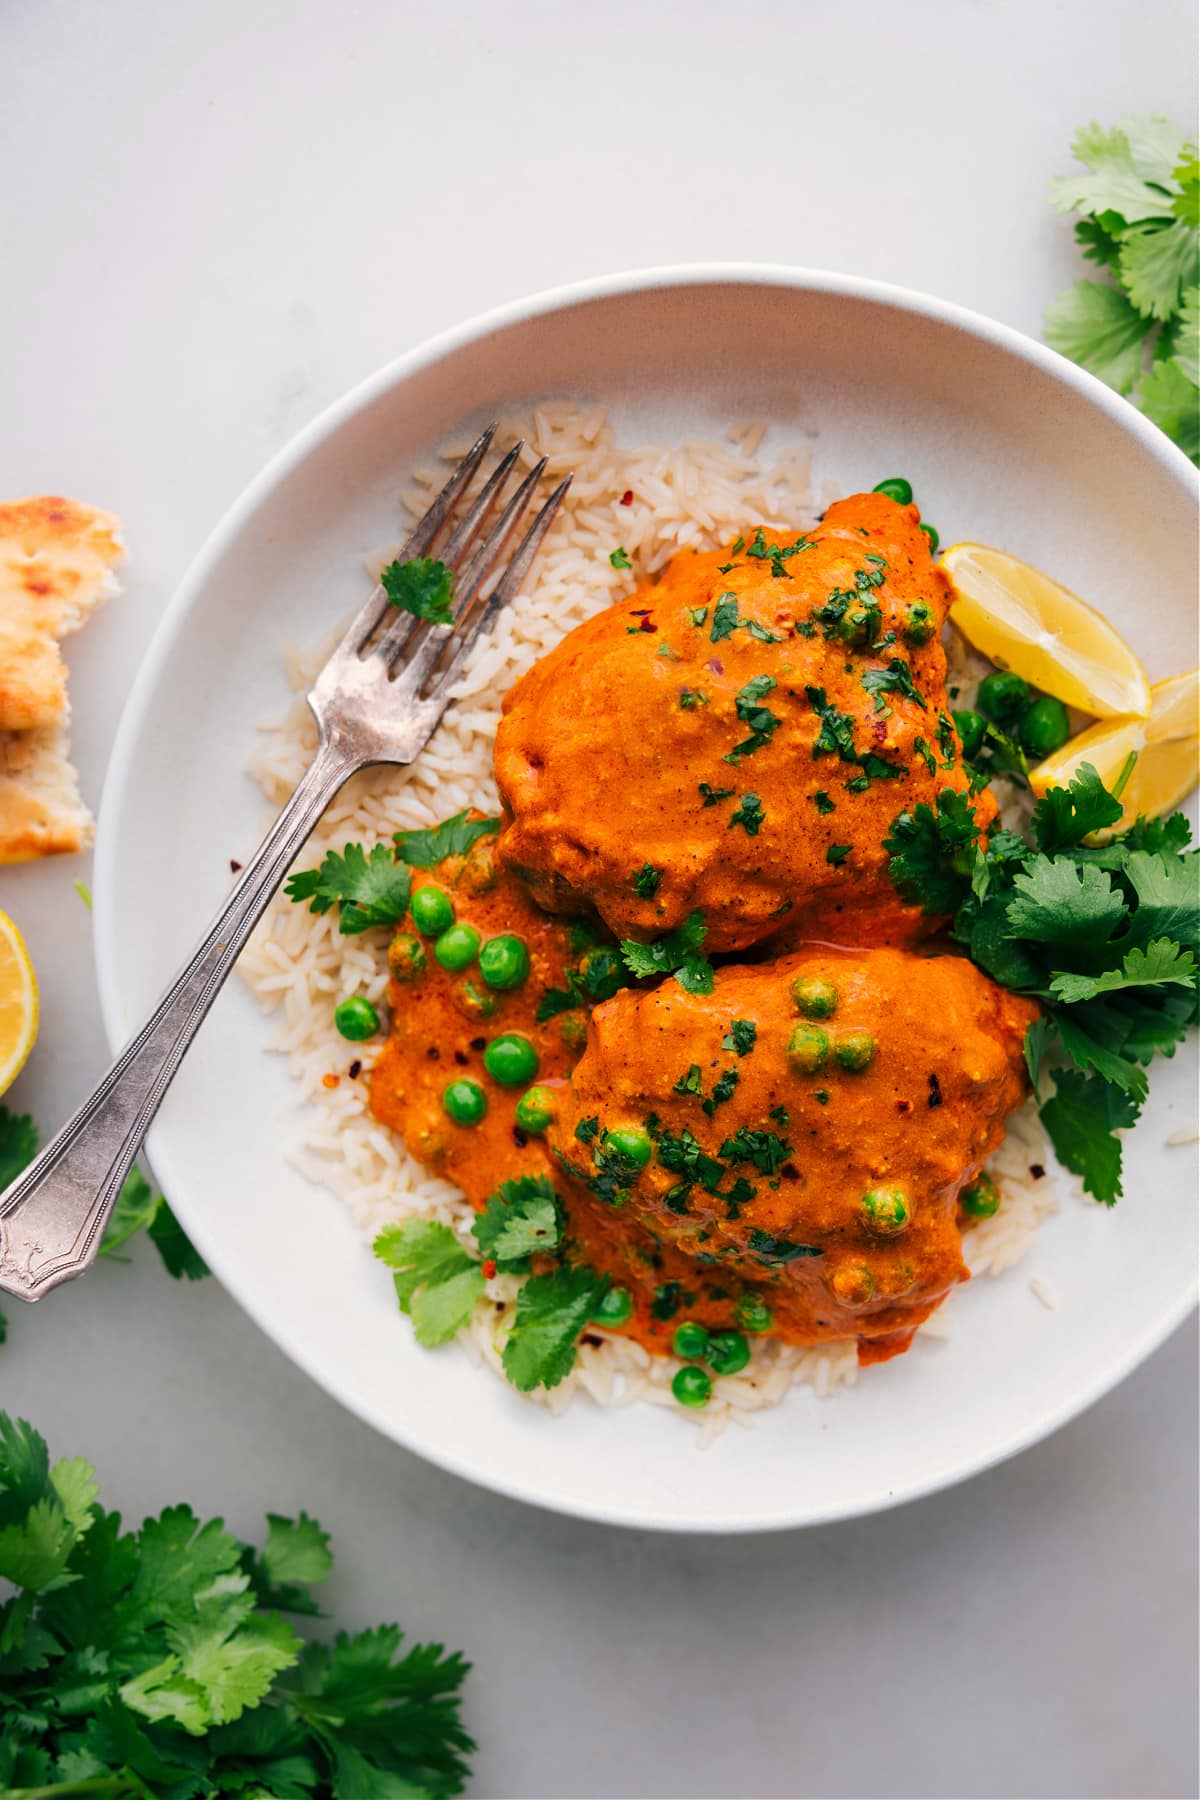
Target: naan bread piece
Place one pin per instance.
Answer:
(41, 813)
(56, 566)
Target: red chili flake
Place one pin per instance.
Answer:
(627, 497)
(489, 1269)
(234, 867)
(649, 625)
(1037, 1171)
(355, 1070)
(639, 612)
(330, 1081)
(902, 1106)
(716, 665)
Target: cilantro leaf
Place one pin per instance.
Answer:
(1161, 962)
(777, 1252)
(1091, 1053)
(438, 1283)
(1097, 327)
(677, 953)
(646, 881)
(453, 837)
(1080, 1118)
(837, 728)
(420, 586)
(1115, 183)
(895, 679)
(521, 1218)
(1057, 901)
(1156, 263)
(743, 1034)
(368, 890)
(1168, 897)
(18, 1144)
(1172, 400)
(931, 854)
(551, 1312)
(1063, 817)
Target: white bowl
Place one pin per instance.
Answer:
(1005, 443)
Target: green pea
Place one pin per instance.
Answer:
(981, 1199)
(465, 1102)
(405, 957)
(614, 1307)
(1003, 696)
(630, 1142)
(511, 1060)
(536, 1110)
(691, 1340)
(573, 1031)
(728, 1353)
(971, 729)
(920, 620)
(1045, 727)
(852, 1284)
(504, 962)
(476, 1002)
(692, 1387)
(885, 1210)
(934, 539)
(432, 911)
(815, 998)
(859, 624)
(457, 947)
(855, 1051)
(356, 1018)
(897, 489)
(752, 1313)
(808, 1049)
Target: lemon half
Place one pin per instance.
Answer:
(1027, 622)
(1166, 744)
(18, 1003)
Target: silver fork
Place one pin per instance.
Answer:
(377, 700)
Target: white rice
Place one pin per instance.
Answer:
(693, 494)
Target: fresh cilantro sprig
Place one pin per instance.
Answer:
(420, 586)
(1105, 937)
(439, 1281)
(677, 953)
(367, 889)
(1138, 195)
(156, 1663)
(453, 837)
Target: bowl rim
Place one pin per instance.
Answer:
(273, 474)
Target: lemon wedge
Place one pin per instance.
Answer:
(18, 1003)
(1166, 745)
(1026, 622)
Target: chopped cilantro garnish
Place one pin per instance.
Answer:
(926, 754)
(453, 837)
(741, 1037)
(668, 1298)
(765, 1149)
(895, 679)
(836, 735)
(932, 851)
(691, 698)
(619, 558)
(762, 722)
(776, 1252)
(697, 614)
(677, 953)
(710, 795)
(837, 853)
(587, 1129)
(682, 1155)
(823, 803)
(521, 1219)
(749, 815)
(723, 1089)
(646, 881)
(946, 739)
(726, 621)
(691, 1083)
(422, 587)
(367, 890)
(776, 554)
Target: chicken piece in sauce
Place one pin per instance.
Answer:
(466, 1042)
(798, 1138)
(738, 738)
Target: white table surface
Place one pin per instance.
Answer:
(216, 217)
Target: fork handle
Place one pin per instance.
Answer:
(52, 1216)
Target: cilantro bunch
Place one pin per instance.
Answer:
(1139, 329)
(1105, 937)
(157, 1662)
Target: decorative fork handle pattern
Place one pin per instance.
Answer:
(53, 1215)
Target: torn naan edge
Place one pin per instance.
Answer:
(56, 566)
